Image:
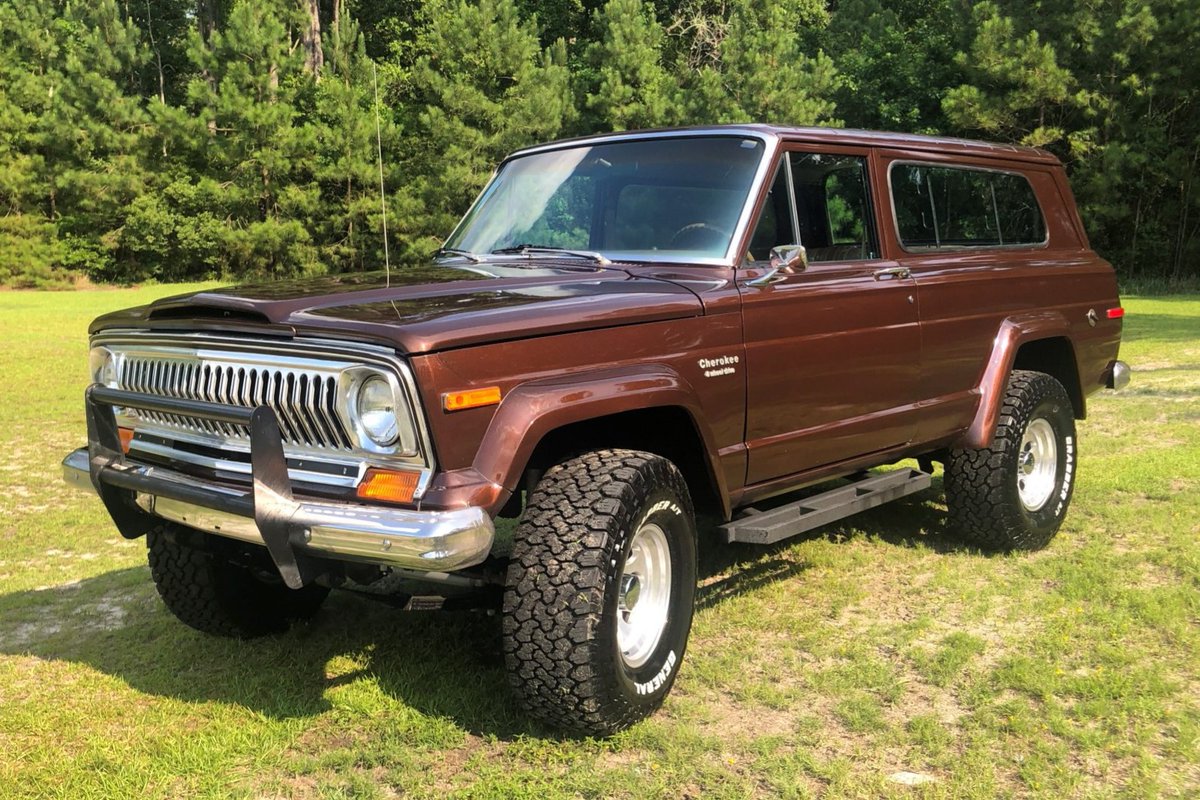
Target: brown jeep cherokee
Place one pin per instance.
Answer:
(624, 332)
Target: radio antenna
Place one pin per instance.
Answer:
(387, 261)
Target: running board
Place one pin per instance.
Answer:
(768, 527)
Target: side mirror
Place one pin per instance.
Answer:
(789, 258)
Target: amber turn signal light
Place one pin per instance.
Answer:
(126, 435)
(472, 398)
(389, 486)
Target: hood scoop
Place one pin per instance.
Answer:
(205, 311)
(215, 317)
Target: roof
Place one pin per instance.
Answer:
(832, 136)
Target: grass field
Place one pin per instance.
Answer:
(822, 668)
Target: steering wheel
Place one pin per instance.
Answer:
(696, 236)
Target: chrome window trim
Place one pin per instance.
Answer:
(1042, 245)
(286, 352)
(786, 161)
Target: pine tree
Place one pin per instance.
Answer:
(71, 137)
(484, 87)
(347, 163)
(895, 60)
(755, 69)
(1018, 90)
(253, 87)
(631, 89)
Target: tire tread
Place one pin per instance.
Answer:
(977, 481)
(553, 604)
(209, 592)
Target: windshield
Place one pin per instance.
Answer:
(669, 197)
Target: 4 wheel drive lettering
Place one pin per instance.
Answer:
(656, 367)
(654, 684)
(721, 365)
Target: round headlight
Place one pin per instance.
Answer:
(377, 411)
(103, 365)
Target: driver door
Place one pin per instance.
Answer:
(832, 350)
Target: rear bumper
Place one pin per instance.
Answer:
(1117, 375)
(294, 531)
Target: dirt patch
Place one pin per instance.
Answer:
(26, 633)
(1148, 575)
(733, 719)
(922, 699)
(107, 613)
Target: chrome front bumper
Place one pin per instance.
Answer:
(292, 530)
(429, 541)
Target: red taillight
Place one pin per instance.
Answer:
(1116, 313)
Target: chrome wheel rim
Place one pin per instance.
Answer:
(1037, 465)
(644, 597)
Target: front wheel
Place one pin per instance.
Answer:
(1014, 494)
(599, 592)
(206, 586)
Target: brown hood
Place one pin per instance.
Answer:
(423, 309)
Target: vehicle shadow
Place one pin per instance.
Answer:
(441, 664)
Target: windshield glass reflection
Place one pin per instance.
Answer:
(669, 197)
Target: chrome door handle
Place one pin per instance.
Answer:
(892, 272)
(774, 275)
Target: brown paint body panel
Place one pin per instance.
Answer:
(830, 370)
(550, 382)
(434, 307)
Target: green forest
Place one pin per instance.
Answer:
(164, 140)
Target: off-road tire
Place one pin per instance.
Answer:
(210, 589)
(982, 491)
(560, 606)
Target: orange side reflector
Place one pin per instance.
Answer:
(1116, 313)
(126, 435)
(473, 398)
(389, 486)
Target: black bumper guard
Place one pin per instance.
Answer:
(270, 502)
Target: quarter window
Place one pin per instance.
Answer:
(947, 208)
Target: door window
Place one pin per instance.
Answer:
(833, 206)
(826, 209)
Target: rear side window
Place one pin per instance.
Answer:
(947, 208)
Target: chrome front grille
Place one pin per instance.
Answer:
(304, 397)
(310, 384)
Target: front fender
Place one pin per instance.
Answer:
(1014, 332)
(532, 410)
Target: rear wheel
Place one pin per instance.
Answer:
(599, 594)
(208, 586)
(1013, 494)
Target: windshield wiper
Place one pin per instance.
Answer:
(454, 251)
(540, 249)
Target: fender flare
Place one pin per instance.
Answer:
(532, 410)
(1014, 331)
